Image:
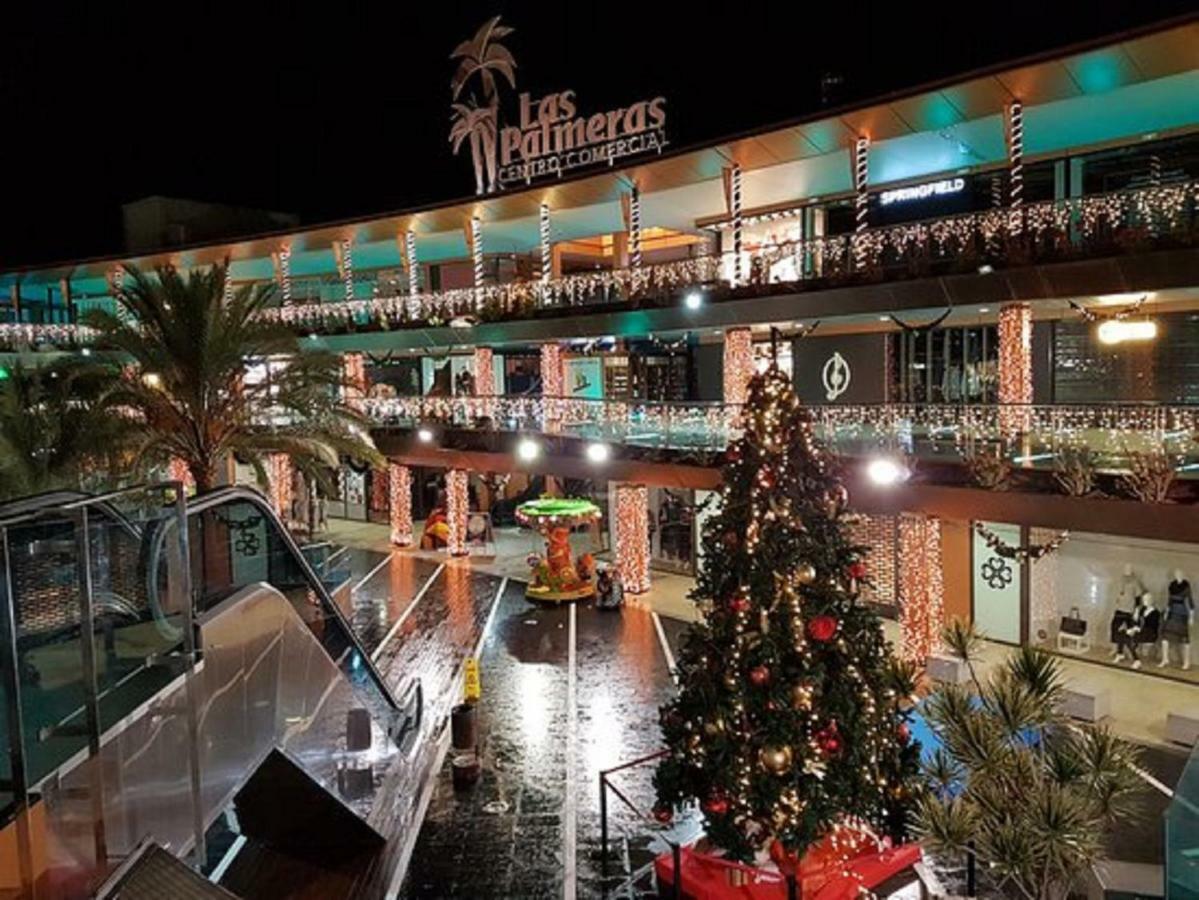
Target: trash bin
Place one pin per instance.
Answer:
(464, 731)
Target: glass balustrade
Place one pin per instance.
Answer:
(1182, 835)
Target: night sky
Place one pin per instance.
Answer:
(340, 109)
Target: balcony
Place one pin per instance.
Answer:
(1076, 449)
(1082, 228)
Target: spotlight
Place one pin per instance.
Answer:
(693, 300)
(985, 269)
(886, 472)
(86, 351)
(152, 380)
(424, 435)
(598, 453)
(1117, 331)
(528, 450)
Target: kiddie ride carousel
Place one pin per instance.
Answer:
(557, 577)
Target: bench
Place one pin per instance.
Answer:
(1087, 704)
(948, 669)
(1183, 728)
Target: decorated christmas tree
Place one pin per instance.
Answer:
(789, 726)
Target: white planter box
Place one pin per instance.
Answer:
(1183, 728)
(948, 669)
(1088, 705)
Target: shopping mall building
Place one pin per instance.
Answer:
(990, 283)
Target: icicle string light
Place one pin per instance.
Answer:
(413, 264)
(543, 231)
(457, 510)
(632, 549)
(399, 487)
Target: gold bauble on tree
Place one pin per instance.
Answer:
(801, 696)
(713, 728)
(806, 573)
(775, 760)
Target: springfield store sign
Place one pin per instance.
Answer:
(551, 136)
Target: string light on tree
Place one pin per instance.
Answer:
(632, 549)
(457, 510)
(399, 486)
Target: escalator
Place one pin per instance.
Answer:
(153, 653)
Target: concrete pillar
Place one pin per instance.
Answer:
(738, 364)
(457, 509)
(399, 489)
(632, 551)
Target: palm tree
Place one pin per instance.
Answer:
(187, 389)
(483, 57)
(59, 429)
(1029, 793)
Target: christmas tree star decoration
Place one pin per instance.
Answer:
(788, 730)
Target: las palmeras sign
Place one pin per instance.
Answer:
(550, 135)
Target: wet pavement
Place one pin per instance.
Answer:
(550, 720)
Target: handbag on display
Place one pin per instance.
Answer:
(1073, 624)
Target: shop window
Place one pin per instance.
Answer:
(946, 365)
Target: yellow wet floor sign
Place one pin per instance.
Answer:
(471, 688)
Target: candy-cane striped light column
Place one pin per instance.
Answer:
(1015, 367)
(543, 228)
(228, 281)
(996, 191)
(861, 182)
(921, 587)
(738, 364)
(347, 267)
(1015, 131)
(1155, 170)
(285, 272)
(399, 488)
(738, 223)
(632, 550)
(476, 249)
(635, 228)
(457, 509)
(413, 265)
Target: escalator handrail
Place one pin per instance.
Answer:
(233, 493)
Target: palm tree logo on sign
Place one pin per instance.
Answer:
(482, 63)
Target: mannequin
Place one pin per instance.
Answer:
(1129, 633)
(1180, 614)
(1131, 589)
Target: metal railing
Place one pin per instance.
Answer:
(1032, 435)
(1053, 230)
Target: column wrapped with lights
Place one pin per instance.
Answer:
(1044, 613)
(632, 537)
(353, 376)
(457, 509)
(552, 389)
(1015, 368)
(921, 589)
(635, 228)
(284, 273)
(862, 197)
(476, 250)
(738, 364)
(399, 489)
(737, 221)
(543, 229)
(413, 265)
(1015, 131)
(347, 267)
(279, 473)
(484, 372)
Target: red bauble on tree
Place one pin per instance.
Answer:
(828, 739)
(822, 628)
(759, 675)
(717, 804)
(857, 570)
(904, 733)
(766, 478)
(739, 603)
